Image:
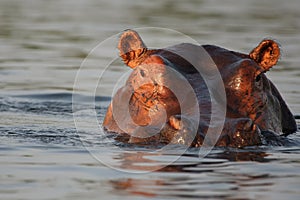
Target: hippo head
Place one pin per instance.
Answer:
(249, 92)
(254, 104)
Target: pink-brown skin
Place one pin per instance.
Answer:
(254, 104)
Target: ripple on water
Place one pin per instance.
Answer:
(46, 121)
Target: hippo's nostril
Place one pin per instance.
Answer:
(248, 125)
(258, 78)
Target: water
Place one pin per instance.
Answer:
(43, 156)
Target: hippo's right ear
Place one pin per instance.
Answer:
(131, 47)
(266, 54)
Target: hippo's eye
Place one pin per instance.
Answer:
(142, 73)
(258, 81)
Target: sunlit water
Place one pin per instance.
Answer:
(44, 156)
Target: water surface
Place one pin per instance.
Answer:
(43, 156)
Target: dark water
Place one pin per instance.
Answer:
(43, 155)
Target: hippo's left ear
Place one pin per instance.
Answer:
(131, 47)
(266, 54)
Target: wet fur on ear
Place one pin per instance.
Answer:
(131, 47)
(266, 54)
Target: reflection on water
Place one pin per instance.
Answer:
(43, 156)
(209, 178)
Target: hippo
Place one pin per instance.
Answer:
(151, 111)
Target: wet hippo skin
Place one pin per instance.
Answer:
(147, 110)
